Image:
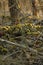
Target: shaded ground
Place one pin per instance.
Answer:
(22, 44)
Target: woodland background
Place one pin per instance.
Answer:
(21, 32)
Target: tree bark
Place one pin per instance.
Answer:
(13, 10)
(34, 9)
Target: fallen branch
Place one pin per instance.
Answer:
(9, 55)
(22, 46)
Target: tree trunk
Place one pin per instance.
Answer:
(13, 10)
(34, 9)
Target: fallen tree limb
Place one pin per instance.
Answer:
(21, 45)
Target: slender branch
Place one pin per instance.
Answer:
(9, 55)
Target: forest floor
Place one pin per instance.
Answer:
(22, 44)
